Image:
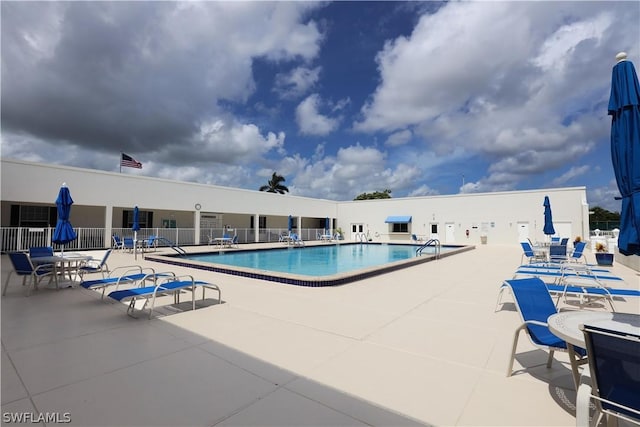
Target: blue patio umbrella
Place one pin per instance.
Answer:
(624, 109)
(548, 221)
(135, 227)
(290, 223)
(327, 225)
(64, 232)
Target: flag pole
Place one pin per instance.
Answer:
(120, 162)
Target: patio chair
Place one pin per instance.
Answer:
(614, 367)
(530, 254)
(95, 265)
(296, 240)
(557, 253)
(564, 241)
(150, 242)
(577, 253)
(40, 251)
(22, 266)
(534, 304)
(285, 237)
(117, 242)
(128, 244)
(555, 240)
(234, 241)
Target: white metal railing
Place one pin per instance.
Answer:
(22, 238)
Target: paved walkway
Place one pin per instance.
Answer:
(420, 346)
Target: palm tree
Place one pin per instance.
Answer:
(274, 185)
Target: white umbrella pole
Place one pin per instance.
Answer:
(135, 245)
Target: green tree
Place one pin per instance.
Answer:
(385, 194)
(603, 219)
(274, 185)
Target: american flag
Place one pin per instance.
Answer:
(130, 162)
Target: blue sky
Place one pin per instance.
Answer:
(340, 98)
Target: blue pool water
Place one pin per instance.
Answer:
(325, 260)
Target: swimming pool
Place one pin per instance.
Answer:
(321, 265)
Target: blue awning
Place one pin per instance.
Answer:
(398, 219)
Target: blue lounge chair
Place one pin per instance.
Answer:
(22, 266)
(589, 292)
(567, 272)
(552, 267)
(535, 305)
(95, 265)
(125, 275)
(614, 368)
(173, 286)
(562, 290)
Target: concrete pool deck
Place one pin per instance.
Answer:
(417, 346)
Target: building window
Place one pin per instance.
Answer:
(400, 228)
(262, 222)
(145, 219)
(434, 228)
(34, 216)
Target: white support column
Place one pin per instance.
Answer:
(256, 225)
(108, 225)
(300, 226)
(196, 226)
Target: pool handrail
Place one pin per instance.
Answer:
(431, 242)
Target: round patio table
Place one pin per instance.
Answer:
(566, 325)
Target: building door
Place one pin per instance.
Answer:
(434, 231)
(450, 232)
(356, 229)
(523, 231)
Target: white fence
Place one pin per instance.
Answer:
(21, 238)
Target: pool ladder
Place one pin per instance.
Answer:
(361, 237)
(431, 242)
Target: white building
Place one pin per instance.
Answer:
(105, 200)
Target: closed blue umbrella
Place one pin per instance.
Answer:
(290, 223)
(548, 221)
(624, 109)
(64, 232)
(327, 225)
(135, 227)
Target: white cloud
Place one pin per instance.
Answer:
(573, 172)
(520, 83)
(311, 121)
(423, 190)
(297, 82)
(354, 170)
(235, 142)
(398, 138)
